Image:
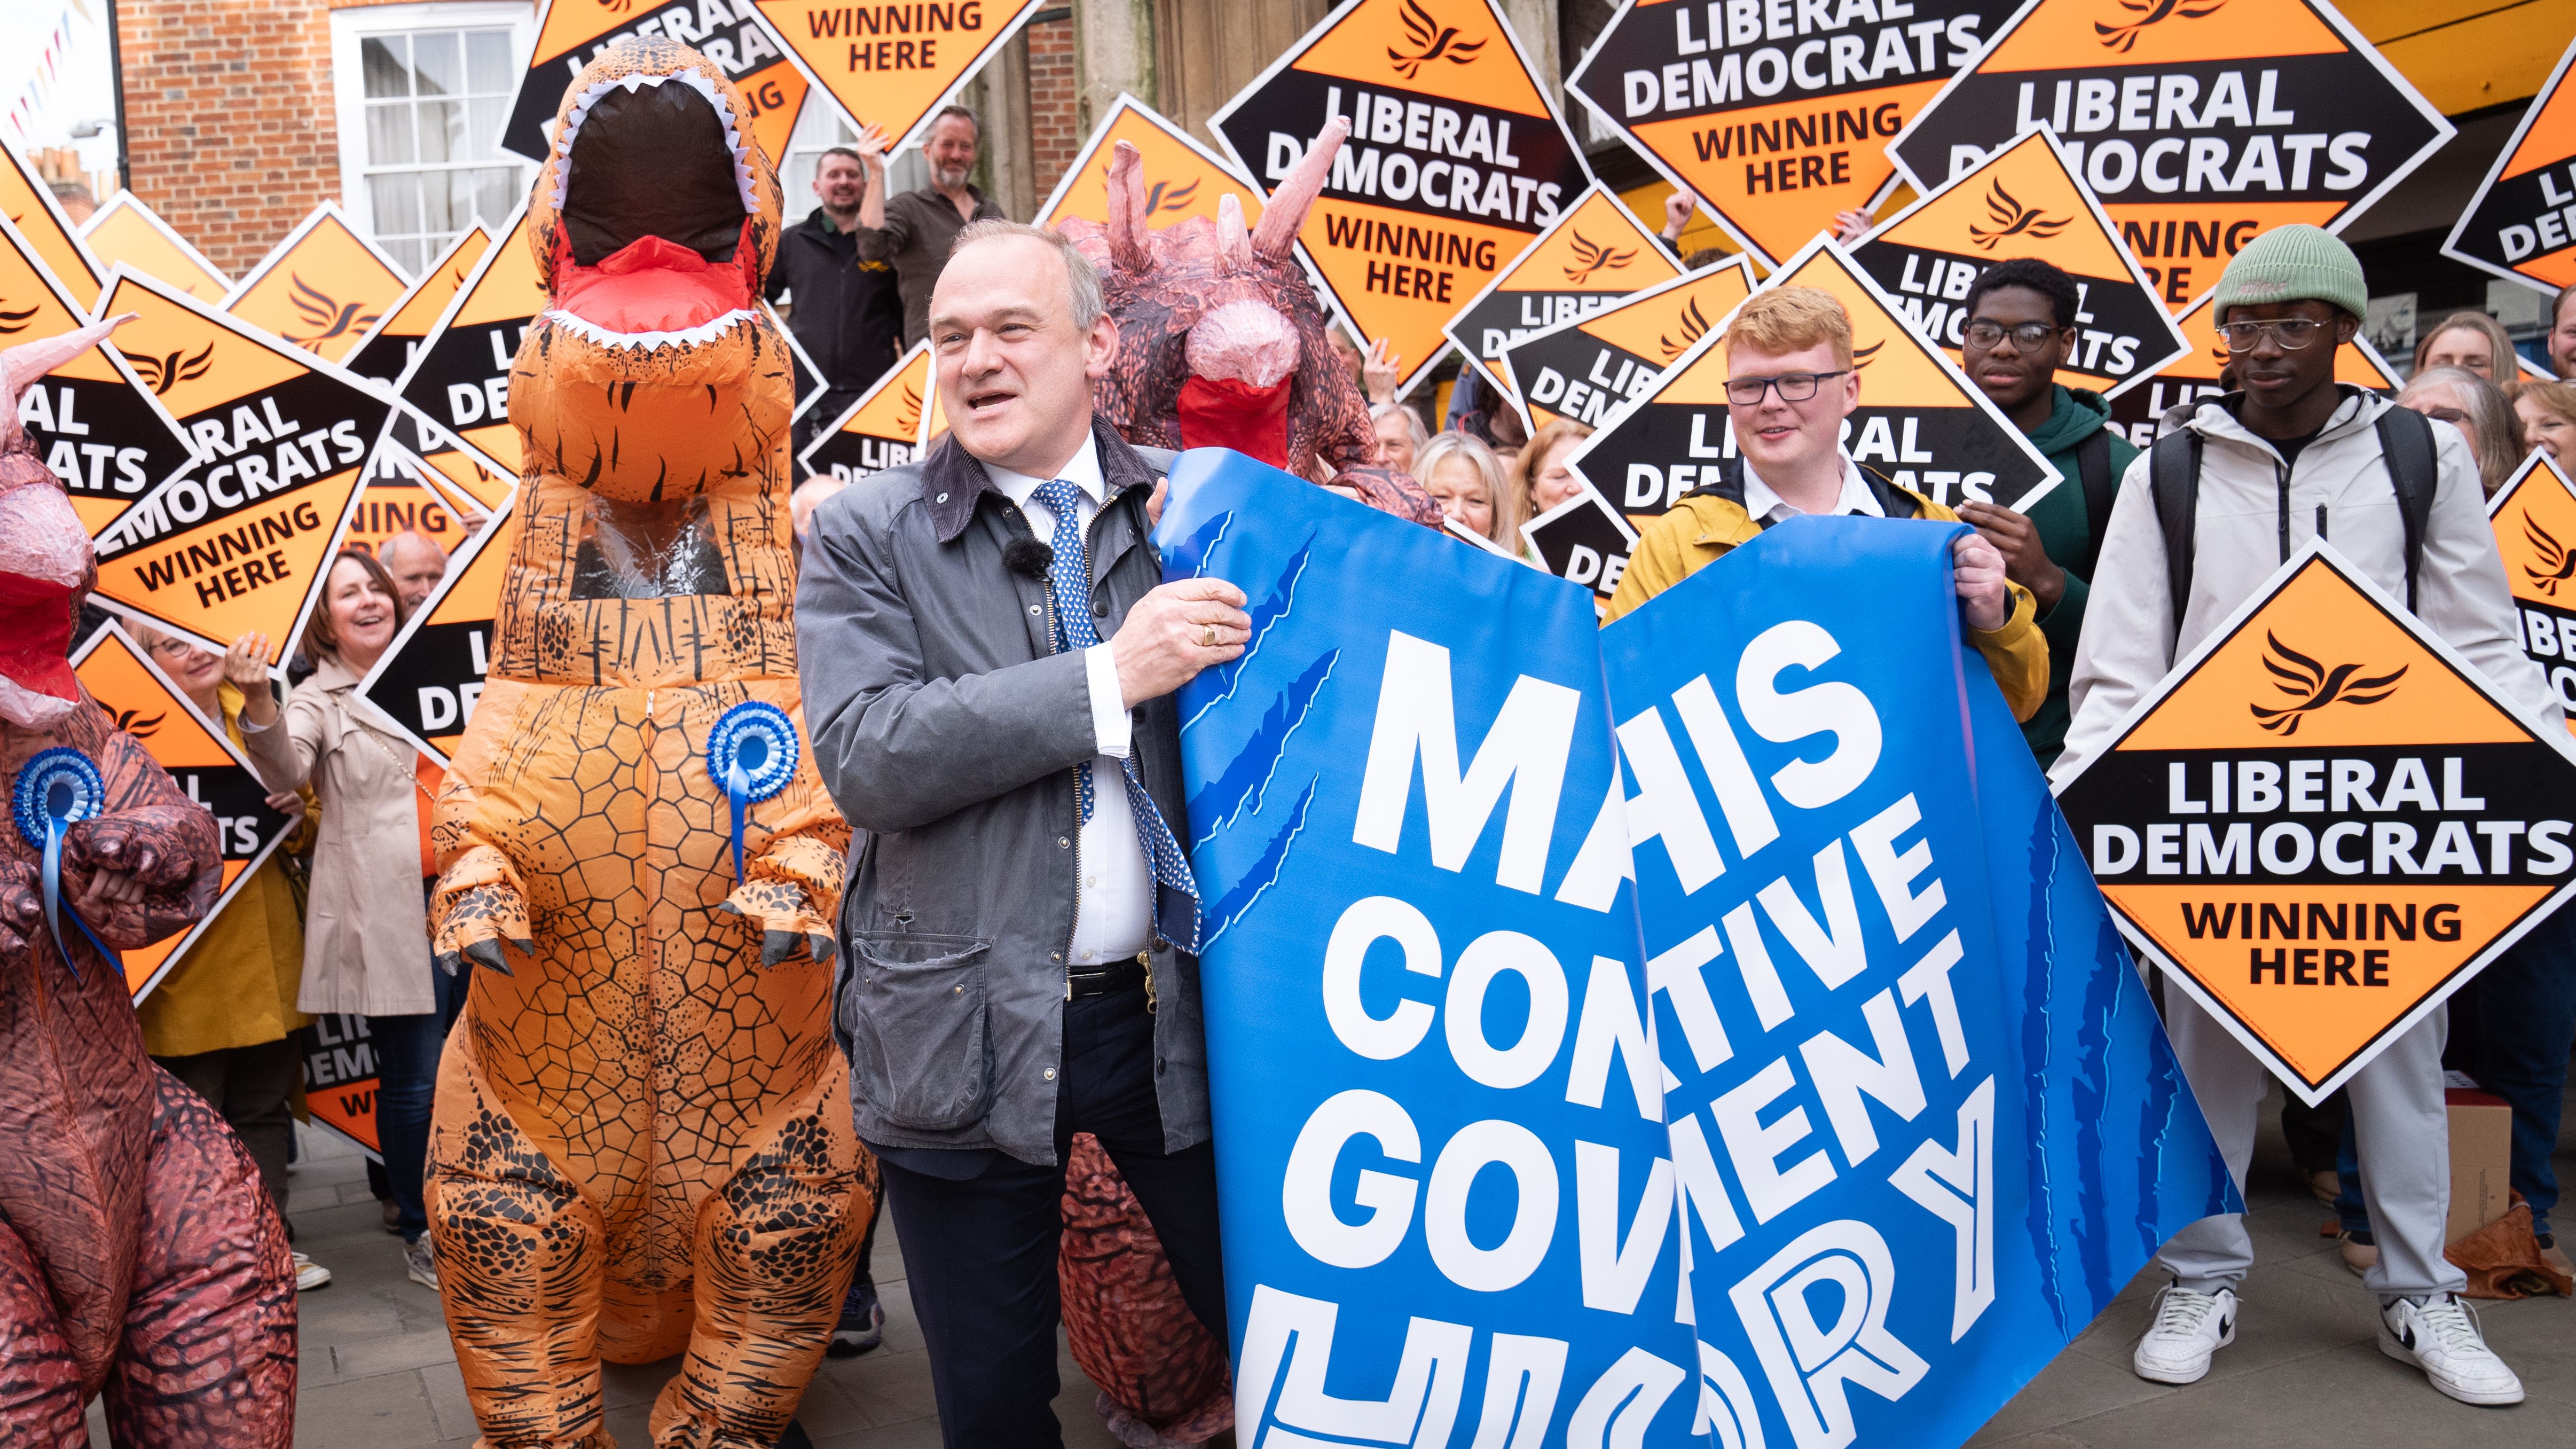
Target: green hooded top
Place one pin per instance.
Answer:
(2065, 531)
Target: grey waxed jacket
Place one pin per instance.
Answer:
(948, 729)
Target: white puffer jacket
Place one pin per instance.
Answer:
(2255, 512)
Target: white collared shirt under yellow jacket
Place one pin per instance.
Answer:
(1703, 528)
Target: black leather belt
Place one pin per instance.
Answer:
(1112, 976)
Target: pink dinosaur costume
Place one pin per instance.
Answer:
(139, 1255)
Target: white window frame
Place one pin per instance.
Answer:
(348, 77)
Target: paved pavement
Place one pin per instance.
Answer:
(2305, 1370)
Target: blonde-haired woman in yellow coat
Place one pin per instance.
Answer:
(224, 1020)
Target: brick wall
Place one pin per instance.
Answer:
(230, 132)
(1055, 102)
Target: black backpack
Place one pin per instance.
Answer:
(2173, 471)
(2101, 490)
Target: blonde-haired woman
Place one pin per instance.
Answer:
(2473, 342)
(224, 1020)
(1469, 481)
(2548, 414)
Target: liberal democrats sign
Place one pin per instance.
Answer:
(1702, 1031)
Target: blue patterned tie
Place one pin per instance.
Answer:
(1069, 577)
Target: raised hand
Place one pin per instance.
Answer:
(1379, 372)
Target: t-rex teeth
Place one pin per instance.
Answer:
(597, 335)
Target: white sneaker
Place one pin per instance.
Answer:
(2441, 1338)
(2189, 1327)
(309, 1275)
(420, 1262)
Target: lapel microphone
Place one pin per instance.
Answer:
(1027, 556)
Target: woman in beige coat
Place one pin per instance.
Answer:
(366, 933)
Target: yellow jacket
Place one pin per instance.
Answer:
(237, 985)
(1704, 526)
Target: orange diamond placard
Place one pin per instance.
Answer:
(1595, 253)
(572, 33)
(431, 675)
(2324, 822)
(1583, 368)
(1456, 159)
(93, 421)
(2198, 125)
(892, 65)
(2534, 515)
(322, 288)
(1777, 118)
(1182, 177)
(206, 767)
(29, 205)
(2195, 375)
(237, 541)
(2517, 224)
(1920, 423)
(459, 375)
(881, 429)
(2023, 202)
(390, 342)
(127, 232)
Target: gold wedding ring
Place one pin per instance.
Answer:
(1208, 639)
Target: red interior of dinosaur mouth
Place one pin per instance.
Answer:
(36, 635)
(1225, 412)
(653, 285)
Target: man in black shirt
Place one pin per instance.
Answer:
(914, 231)
(846, 313)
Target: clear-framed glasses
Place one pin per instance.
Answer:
(2025, 335)
(165, 646)
(1746, 392)
(2292, 333)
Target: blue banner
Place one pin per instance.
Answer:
(1702, 1030)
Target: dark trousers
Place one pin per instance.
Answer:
(2511, 1029)
(406, 1073)
(253, 1089)
(450, 992)
(981, 1250)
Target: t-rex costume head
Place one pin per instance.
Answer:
(46, 566)
(1221, 339)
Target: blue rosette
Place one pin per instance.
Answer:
(752, 753)
(58, 789)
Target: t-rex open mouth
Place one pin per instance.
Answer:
(656, 197)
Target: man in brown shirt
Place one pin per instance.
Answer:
(914, 231)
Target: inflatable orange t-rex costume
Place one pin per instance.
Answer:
(643, 1137)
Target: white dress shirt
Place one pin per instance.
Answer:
(1113, 915)
(1764, 506)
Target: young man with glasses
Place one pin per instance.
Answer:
(2292, 456)
(1790, 383)
(2021, 326)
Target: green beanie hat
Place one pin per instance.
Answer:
(2296, 263)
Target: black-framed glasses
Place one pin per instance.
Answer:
(2292, 333)
(2025, 335)
(1746, 392)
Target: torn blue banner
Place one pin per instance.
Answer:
(1702, 1031)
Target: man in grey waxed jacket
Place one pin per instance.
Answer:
(988, 656)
